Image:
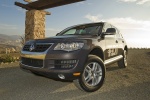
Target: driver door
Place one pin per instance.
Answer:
(111, 44)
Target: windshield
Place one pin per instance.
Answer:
(82, 30)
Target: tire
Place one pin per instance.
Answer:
(123, 62)
(93, 75)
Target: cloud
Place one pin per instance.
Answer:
(136, 32)
(83, 3)
(122, 23)
(130, 23)
(6, 26)
(143, 2)
(128, 0)
(93, 18)
(139, 2)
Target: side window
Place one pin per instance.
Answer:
(72, 31)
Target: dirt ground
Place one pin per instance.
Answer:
(7, 65)
(131, 83)
(138, 70)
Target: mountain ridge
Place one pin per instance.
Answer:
(9, 41)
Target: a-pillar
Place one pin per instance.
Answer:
(35, 25)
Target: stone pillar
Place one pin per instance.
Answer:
(35, 25)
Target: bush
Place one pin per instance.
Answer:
(6, 58)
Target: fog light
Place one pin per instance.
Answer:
(68, 63)
(61, 76)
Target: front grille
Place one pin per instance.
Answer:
(38, 47)
(62, 64)
(32, 62)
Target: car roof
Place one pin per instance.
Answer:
(90, 23)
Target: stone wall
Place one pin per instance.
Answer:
(35, 24)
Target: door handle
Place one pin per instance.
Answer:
(116, 41)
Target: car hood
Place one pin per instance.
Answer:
(68, 38)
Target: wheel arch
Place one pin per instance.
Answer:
(98, 52)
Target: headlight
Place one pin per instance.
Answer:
(69, 46)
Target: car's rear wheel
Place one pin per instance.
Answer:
(123, 62)
(93, 75)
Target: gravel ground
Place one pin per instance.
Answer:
(131, 83)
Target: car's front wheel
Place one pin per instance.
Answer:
(93, 75)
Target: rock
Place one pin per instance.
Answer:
(35, 24)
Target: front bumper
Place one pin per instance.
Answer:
(50, 61)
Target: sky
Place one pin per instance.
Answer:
(131, 17)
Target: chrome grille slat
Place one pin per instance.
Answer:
(39, 47)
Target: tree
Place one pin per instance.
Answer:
(22, 40)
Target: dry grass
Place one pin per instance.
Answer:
(11, 63)
(12, 54)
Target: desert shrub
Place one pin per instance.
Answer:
(22, 40)
(6, 58)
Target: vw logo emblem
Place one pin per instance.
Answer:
(32, 47)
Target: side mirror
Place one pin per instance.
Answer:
(110, 31)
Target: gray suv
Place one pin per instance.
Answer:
(79, 53)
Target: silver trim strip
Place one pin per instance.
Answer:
(33, 55)
(113, 59)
